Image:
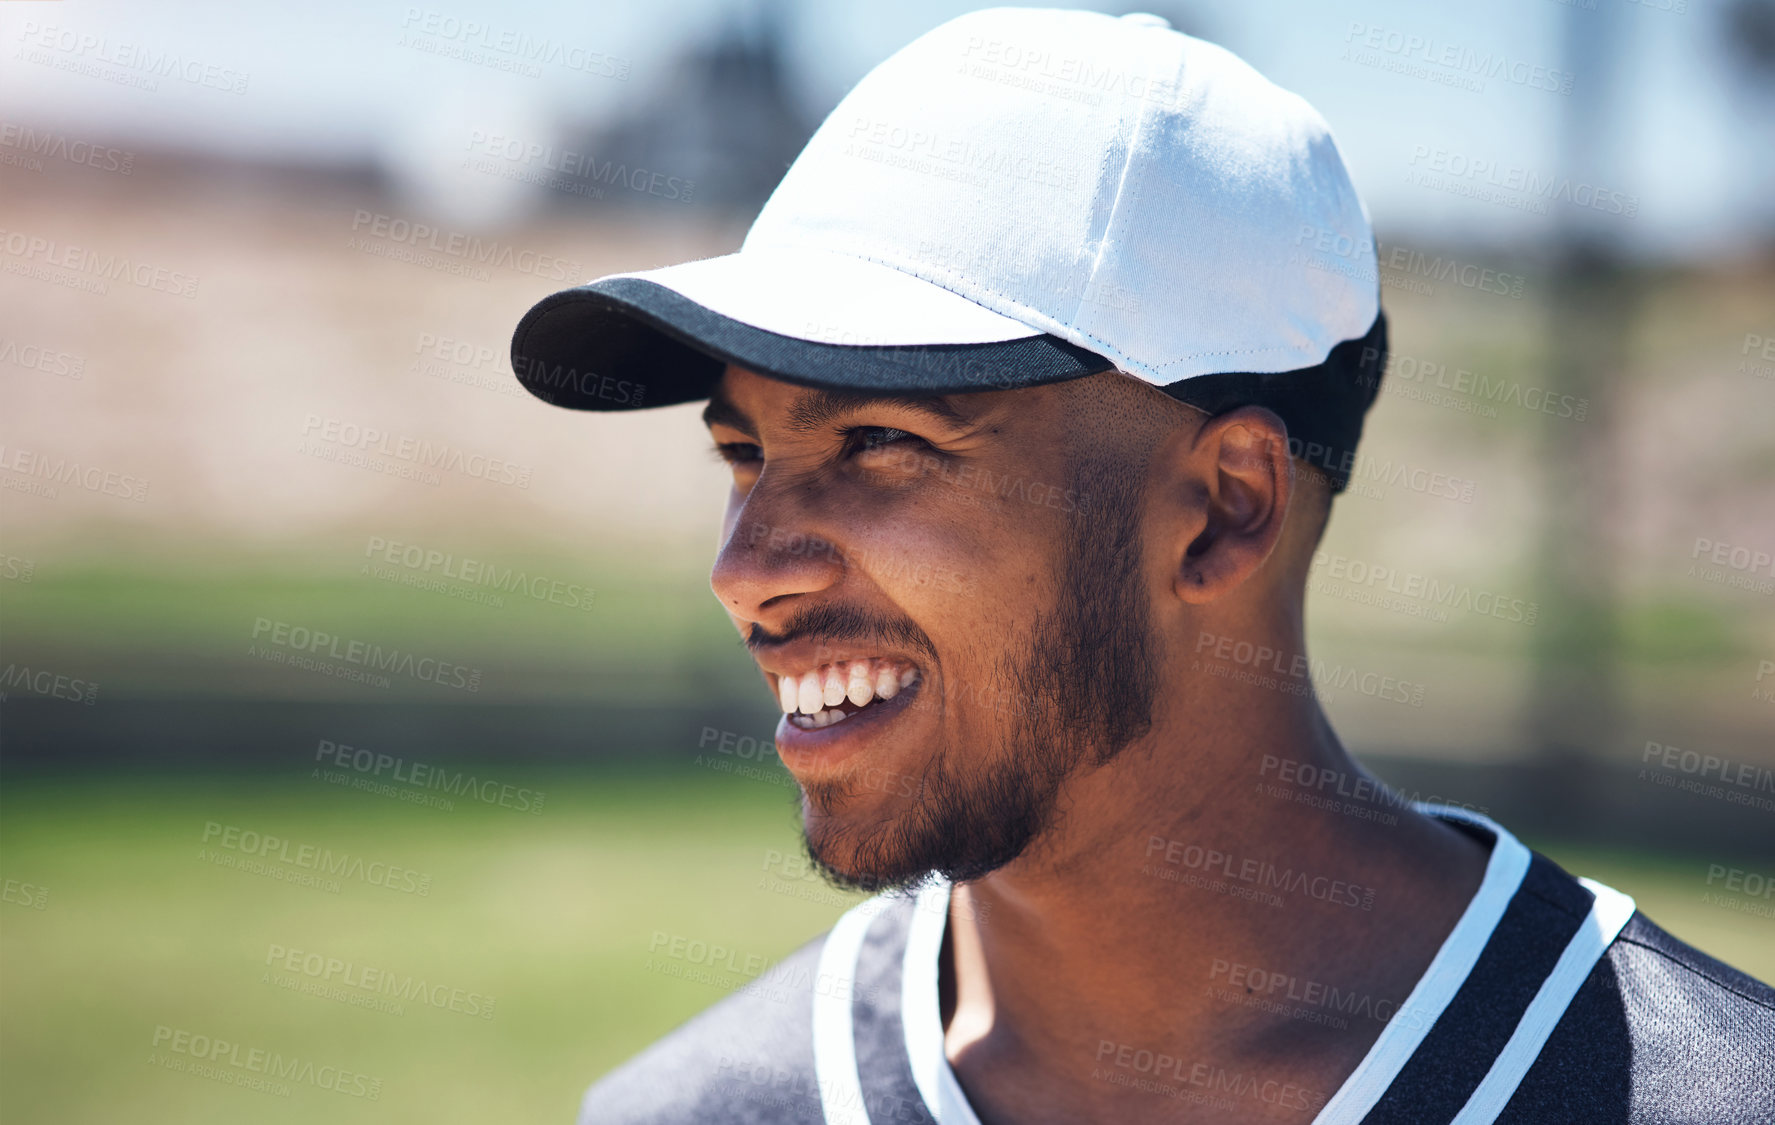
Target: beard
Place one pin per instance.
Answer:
(1080, 682)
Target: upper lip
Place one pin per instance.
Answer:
(796, 658)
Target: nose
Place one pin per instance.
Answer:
(770, 556)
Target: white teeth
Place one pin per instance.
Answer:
(859, 690)
(832, 685)
(820, 719)
(817, 694)
(808, 692)
(887, 684)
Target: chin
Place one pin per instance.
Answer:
(852, 849)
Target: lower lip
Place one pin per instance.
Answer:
(832, 744)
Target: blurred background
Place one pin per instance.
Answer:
(259, 266)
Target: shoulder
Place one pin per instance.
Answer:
(1685, 984)
(746, 1060)
(1659, 1032)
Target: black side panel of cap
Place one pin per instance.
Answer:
(1323, 405)
(628, 343)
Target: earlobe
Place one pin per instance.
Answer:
(1247, 478)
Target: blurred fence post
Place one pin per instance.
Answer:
(1573, 712)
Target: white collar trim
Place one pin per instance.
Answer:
(921, 1017)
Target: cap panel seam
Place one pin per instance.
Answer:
(1142, 118)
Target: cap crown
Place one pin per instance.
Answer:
(1130, 189)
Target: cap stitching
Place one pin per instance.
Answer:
(1143, 117)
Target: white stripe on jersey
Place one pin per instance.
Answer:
(1607, 915)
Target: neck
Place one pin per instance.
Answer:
(1206, 875)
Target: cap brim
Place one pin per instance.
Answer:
(813, 318)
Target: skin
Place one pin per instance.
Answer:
(1095, 937)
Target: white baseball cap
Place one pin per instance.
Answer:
(1017, 197)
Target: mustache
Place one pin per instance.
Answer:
(833, 624)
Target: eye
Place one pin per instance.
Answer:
(865, 439)
(736, 452)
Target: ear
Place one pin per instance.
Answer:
(1241, 482)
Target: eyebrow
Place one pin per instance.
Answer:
(815, 407)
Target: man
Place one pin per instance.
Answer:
(1037, 376)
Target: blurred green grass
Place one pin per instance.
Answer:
(551, 914)
(184, 628)
(172, 627)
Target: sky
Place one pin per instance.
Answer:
(1681, 145)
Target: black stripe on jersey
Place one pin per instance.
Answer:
(1466, 1039)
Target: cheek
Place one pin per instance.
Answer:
(975, 581)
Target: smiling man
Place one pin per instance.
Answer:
(1038, 376)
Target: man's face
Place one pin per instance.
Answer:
(952, 598)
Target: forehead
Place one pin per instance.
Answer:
(734, 403)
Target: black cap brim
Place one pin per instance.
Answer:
(626, 343)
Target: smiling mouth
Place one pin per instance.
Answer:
(834, 692)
